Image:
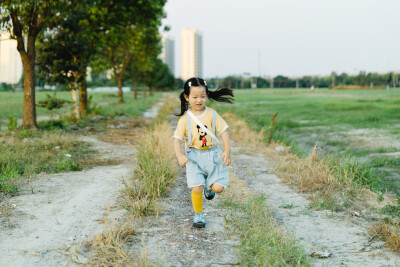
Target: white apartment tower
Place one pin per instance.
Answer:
(10, 60)
(191, 54)
(168, 52)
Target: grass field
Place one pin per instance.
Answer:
(11, 103)
(360, 124)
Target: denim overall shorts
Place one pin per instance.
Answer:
(205, 167)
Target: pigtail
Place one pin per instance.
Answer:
(221, 95)
(184, 105)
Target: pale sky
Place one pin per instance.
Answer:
(293, 37)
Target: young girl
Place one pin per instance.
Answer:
(206, 165)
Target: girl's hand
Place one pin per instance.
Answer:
(182, 160)
(226, 157)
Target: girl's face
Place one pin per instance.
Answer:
(197, 98)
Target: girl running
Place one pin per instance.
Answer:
(206, 165)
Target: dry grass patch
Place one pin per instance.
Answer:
(110, 246)
(123, 136)
(388, 233)
(131, 136)
(155, 171)
(241, 133)
(332, 184)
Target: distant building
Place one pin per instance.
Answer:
(191, 54)
(10, 60)
(168, 52)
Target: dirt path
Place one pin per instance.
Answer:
(170, 239)
(341, 234)
(65, 210)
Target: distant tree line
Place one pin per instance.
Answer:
(361, 80)
(59, 40)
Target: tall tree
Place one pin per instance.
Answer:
(64, 52)
(24, 20)
(121, 22)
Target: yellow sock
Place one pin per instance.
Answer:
(197, 201)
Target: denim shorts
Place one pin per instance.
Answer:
(205, 167)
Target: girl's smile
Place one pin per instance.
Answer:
(197, 98)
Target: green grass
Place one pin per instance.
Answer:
(12, 103)
(48, 153)
(262, 241)
(324, 117)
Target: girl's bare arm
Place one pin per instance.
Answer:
(226, 156)
(178, 152)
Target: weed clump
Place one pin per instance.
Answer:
(334, 183)
(389, 233)
(155, 172)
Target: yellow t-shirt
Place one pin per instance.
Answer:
(200, 139)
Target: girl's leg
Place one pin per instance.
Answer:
(217, 188)
(197, 198)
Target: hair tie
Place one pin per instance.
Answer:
(205, 83)
(190, 84)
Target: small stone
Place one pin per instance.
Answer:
(122, 126)
(68, 155)
(279, 148)
(72, 127)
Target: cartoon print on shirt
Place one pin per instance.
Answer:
(202, 134)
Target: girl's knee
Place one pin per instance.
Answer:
(198, 189)
(217, 188)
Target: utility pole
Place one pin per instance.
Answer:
(259, 63)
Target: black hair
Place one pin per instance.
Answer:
(221, 94)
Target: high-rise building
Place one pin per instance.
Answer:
(191, 54)
(10, 60)
(168, 52)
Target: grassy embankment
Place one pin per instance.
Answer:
(263, 242)
(336, 121)
(25, 153)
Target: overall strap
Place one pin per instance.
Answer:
(189, 125)
(213, 125)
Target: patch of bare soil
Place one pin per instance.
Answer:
(126, 133)
(343, 235)
(58, 211)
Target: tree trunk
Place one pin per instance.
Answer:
(151, 90)
(83, 97)
(144, 87)
(135, 88)
(120, 93)
(29, 108)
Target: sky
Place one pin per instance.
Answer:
(290, 37)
